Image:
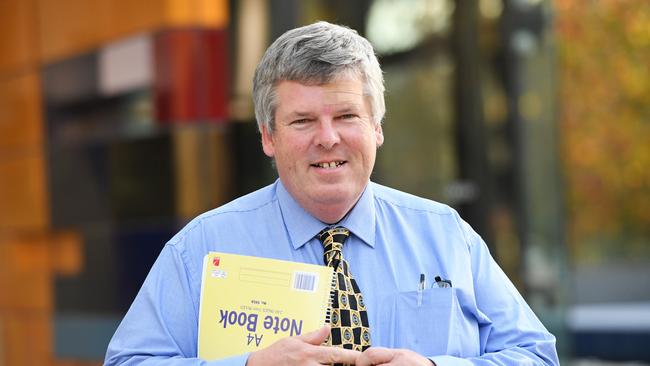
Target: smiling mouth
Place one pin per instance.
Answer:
(329, 164)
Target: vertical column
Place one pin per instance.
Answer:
(25, 283)
(192, 98)
(471, 137)
(528, 74)
(192, 76)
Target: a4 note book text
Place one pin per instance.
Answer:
(247, 302)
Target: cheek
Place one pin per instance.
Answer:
(296, 146)
(290, 153)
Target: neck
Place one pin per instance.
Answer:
(330, 215)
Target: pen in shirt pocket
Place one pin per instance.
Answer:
(421, 286)
(441, 283)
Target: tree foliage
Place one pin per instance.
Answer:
(604, 66)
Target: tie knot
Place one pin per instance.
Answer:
(332, 240)
(336, 234)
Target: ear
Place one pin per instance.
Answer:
(267, 142)
(379, 135)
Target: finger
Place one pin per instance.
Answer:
(375, 356)
(316, 337)
(330, 355)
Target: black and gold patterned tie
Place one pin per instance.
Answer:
(348, 316)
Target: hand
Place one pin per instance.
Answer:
(390, 356)
(303, 350)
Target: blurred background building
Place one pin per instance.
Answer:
(120, 120)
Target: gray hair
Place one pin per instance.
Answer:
(314, 55)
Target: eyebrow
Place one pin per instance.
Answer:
(347, 108)
(339, 108)
(298, 114)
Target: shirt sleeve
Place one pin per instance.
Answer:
(510, 333)
(160, 328)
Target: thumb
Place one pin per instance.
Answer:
(316, 337)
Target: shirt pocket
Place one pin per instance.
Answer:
(422, 326)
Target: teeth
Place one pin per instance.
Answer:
(331, 164)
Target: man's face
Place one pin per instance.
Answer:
(324, 144)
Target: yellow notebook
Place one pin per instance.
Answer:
(247, 303)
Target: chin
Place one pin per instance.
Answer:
(336, 193)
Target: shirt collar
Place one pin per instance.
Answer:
(302, 226)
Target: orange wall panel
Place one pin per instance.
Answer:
(5, 277)
(27, 338)
(23, 193)
(206, 13)
(70, 27)
(27, 269)
(21, 123)
(128, 17)
(67, 253)
(77, 363)
(18, 46)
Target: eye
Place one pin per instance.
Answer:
(347, 116)
(301, 121)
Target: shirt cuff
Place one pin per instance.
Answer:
(239, 360)
(450, 361)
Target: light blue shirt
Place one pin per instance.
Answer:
(481, 319)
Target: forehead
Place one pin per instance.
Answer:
(293, 95)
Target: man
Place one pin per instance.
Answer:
(426, 287)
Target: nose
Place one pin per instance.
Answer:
(327, 136)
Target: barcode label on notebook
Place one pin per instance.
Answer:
(305, 281)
